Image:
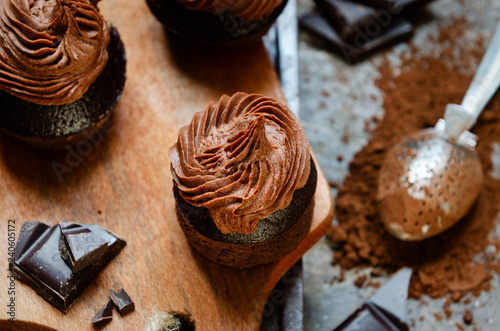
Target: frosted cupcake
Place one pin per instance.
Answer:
(244, 181)
(62, 70)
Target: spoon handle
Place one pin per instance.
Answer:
(485, 82)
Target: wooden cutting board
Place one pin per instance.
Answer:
(124, 184)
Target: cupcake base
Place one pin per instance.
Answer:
(219, 30)
(275, 236)
(65, 125)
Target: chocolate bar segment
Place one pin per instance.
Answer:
(30, 232)
(352, 19)
(104, 314)
(79, 246)
(385, 310)
(39, 264)
(318, 25)
(122, 301)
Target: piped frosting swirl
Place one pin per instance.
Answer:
(246, 9)
(51, 51)
(242, 159)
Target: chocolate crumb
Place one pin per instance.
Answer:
(376, 273)
(345, 138)
(333, 184)
(438, 317)
(373, 284)
(460, 326)
(122, 301)
(104, 314)
(455, 296)
(468, 317)
(342, 276)
(337, 234)
(359, 282)
(446, 308)
(340, 157)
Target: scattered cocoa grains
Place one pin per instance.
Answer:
(442, 265)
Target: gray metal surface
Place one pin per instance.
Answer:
(338, 103)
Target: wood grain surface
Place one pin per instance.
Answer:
(124, 184)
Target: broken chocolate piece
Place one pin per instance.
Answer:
(318, 25)
(79, 246)
(385, 310)
(30, 232)
(39, 264)
(105, 314)
(354, 21)
(122, 301)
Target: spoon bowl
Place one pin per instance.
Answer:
(426, 185)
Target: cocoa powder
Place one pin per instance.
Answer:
(445, 264)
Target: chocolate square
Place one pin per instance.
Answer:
(318, 25)
(79, 246)
(39, 263)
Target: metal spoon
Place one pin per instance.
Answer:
(430, 180)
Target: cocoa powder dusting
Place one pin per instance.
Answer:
(443, 265)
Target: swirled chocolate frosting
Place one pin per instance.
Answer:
(51, 51)
(242, 159)
(246, 9)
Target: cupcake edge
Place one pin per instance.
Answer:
(239, 254)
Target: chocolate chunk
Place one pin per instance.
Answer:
(79, 246)
(40, 265)
(318, 25)
(122, 301)
(30, 232)
(385, 310)
(105, 314)
(352, 19)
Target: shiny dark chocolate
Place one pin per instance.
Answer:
(122, 301)
(39, 264)
(79, 246)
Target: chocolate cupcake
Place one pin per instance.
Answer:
(218, 22)
(244, 181)
(62, 70)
